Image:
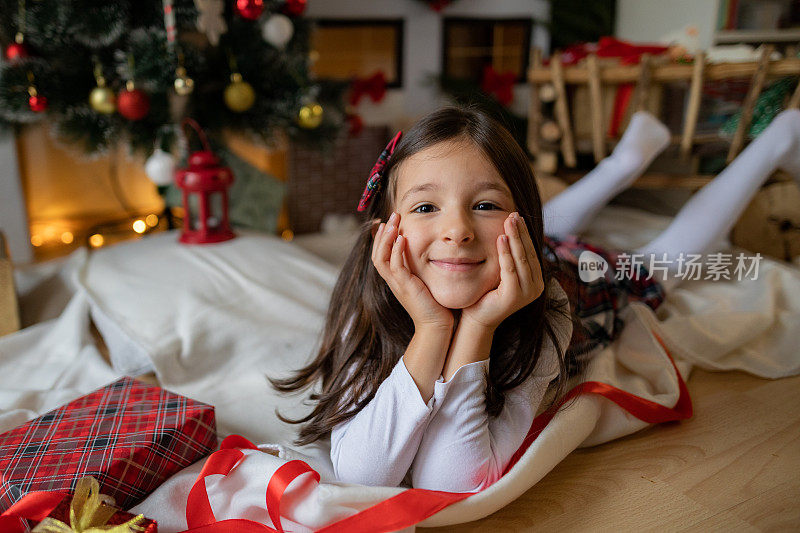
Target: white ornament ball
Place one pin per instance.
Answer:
(160, 167)
(278, 30)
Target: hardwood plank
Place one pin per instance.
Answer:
(773, 510)
(733, 466)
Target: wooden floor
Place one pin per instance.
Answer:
(734, 466)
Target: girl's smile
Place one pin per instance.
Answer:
(452, 204)
(456, 264)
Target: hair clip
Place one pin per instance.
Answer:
(376, 174)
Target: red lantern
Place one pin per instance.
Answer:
(204, 184)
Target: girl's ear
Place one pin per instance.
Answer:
(375, 223)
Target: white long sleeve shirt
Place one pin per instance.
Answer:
(449, 443)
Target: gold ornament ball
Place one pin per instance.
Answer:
(102, 100)
(239, 95)
(310, 116)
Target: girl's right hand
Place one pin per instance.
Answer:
(388, 250)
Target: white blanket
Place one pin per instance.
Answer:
(256, 311)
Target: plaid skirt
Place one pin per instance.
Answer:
(596, 304)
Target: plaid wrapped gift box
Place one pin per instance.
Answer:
(129, 435)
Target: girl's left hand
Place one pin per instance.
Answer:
(520, 278)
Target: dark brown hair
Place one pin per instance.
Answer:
(355, 358)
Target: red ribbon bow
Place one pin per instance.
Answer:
(499, 85)
(373, 86)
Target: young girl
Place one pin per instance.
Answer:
(448, 323)
(445, 326)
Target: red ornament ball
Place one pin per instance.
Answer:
(250, 9)
(16, 51)
(294, 8)
(133, 104)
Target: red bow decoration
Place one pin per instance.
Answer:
(499, 85)
(629, 53)
(373, 86)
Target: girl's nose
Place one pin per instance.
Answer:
(457, 228)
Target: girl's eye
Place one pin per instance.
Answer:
(489, 204)
(418, 208)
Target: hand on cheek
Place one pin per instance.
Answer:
(520, 278)
(389, 258)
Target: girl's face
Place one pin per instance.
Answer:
(452, 205)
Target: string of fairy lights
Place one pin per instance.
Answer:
(52, 234)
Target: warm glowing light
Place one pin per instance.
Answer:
(139, 226)
(96, 240)
(50, 232)
(287, 235)
(36, 240)
(67, 237)
(151, 220)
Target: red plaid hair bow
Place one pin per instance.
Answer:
(376, 174)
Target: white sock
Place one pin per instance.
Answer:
(710, 214)
(570, 211)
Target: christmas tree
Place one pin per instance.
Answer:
(105, 72)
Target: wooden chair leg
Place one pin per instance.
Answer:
(535, 113)
(643, 85)
(562, 111)
(756, 84)
(596, 100)
(695, 94)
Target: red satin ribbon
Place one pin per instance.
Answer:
(33, 506)
(199, 515)
(413, 505)
(645, 410)
(277, 486)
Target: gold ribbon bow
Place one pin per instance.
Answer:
(88, 513)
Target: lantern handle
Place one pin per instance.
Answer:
(200, 133)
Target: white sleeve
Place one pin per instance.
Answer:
(463, 449)
(377, 445)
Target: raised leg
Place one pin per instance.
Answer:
(570, 211)
(711, 213)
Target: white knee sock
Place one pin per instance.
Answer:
(570, 211)
(711, 213)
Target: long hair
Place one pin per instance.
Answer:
(367, 330)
